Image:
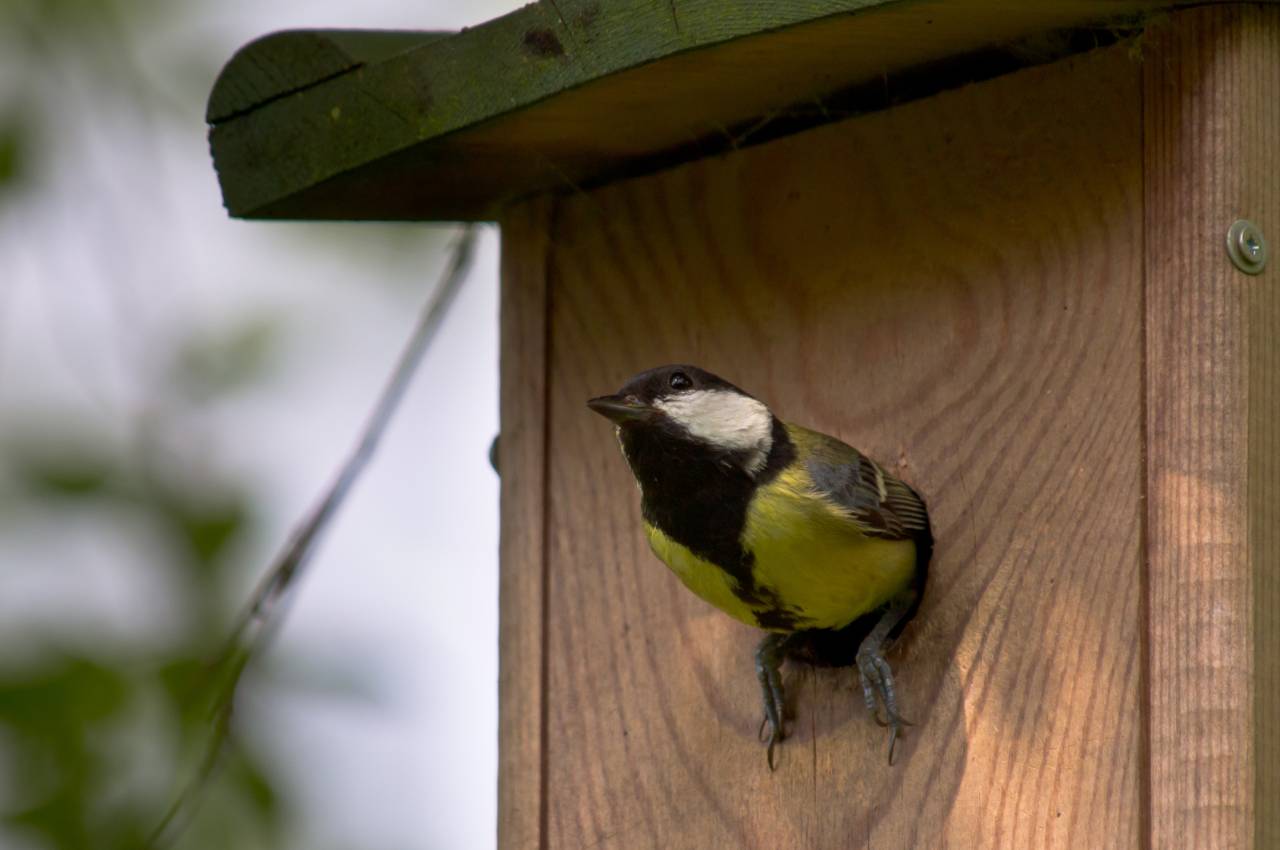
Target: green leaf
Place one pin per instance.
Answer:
(53, 711)
(209, 529)
(230, 361)
(11, 155)
(201, 524)
(62, 698)
(254, 783)
(54, 467)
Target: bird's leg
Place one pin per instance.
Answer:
(877, 677)
(769, 671)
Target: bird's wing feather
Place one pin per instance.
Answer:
(880, 504)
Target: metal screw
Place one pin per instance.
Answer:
(1246, 247)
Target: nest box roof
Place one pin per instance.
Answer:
(328, 124)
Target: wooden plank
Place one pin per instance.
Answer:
(955, 287)
(1212, 154)
(558, 94)
(1260, 200)
(522, 465)
(1260, 196)
(284, 62)
(1264, 465)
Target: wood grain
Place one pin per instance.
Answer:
(522, 464)
(955, 287)
(1260, 200)
(1260, 196)
(1212, 154)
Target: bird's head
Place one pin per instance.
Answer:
(686, 406)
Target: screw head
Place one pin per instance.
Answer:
(1246, 247)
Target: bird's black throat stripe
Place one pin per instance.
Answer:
(697, 494)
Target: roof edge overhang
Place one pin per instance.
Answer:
(383, 125)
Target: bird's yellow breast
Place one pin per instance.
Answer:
(806, 553)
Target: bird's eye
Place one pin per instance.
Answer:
(679, 381)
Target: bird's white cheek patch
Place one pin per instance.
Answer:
(726, 419)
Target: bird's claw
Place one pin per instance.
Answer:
(775, 737)
(768, 671)
(877, 691)
(884, 724)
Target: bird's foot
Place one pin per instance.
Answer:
(877, 691)
(769, 672)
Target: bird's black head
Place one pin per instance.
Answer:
(677, 410)
(641, 398)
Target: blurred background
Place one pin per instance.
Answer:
(175, 390)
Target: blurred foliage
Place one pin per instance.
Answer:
(71, 719)
(211, 365)
(96, 737)
(59, 15)
(98, 43)
(11, 151)
(53, 51)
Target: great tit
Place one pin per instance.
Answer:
(781, 527)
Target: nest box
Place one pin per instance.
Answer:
(989, 242)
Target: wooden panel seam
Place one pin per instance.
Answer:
(1146, 811)
(522, 461)
(551, 207)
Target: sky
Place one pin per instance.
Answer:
(126, 246)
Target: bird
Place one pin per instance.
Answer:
(781, 527)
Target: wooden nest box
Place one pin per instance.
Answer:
(984, 241)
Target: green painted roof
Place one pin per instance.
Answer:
(437, 126)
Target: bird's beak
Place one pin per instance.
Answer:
(621, 409)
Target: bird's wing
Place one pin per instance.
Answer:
(880, 504)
